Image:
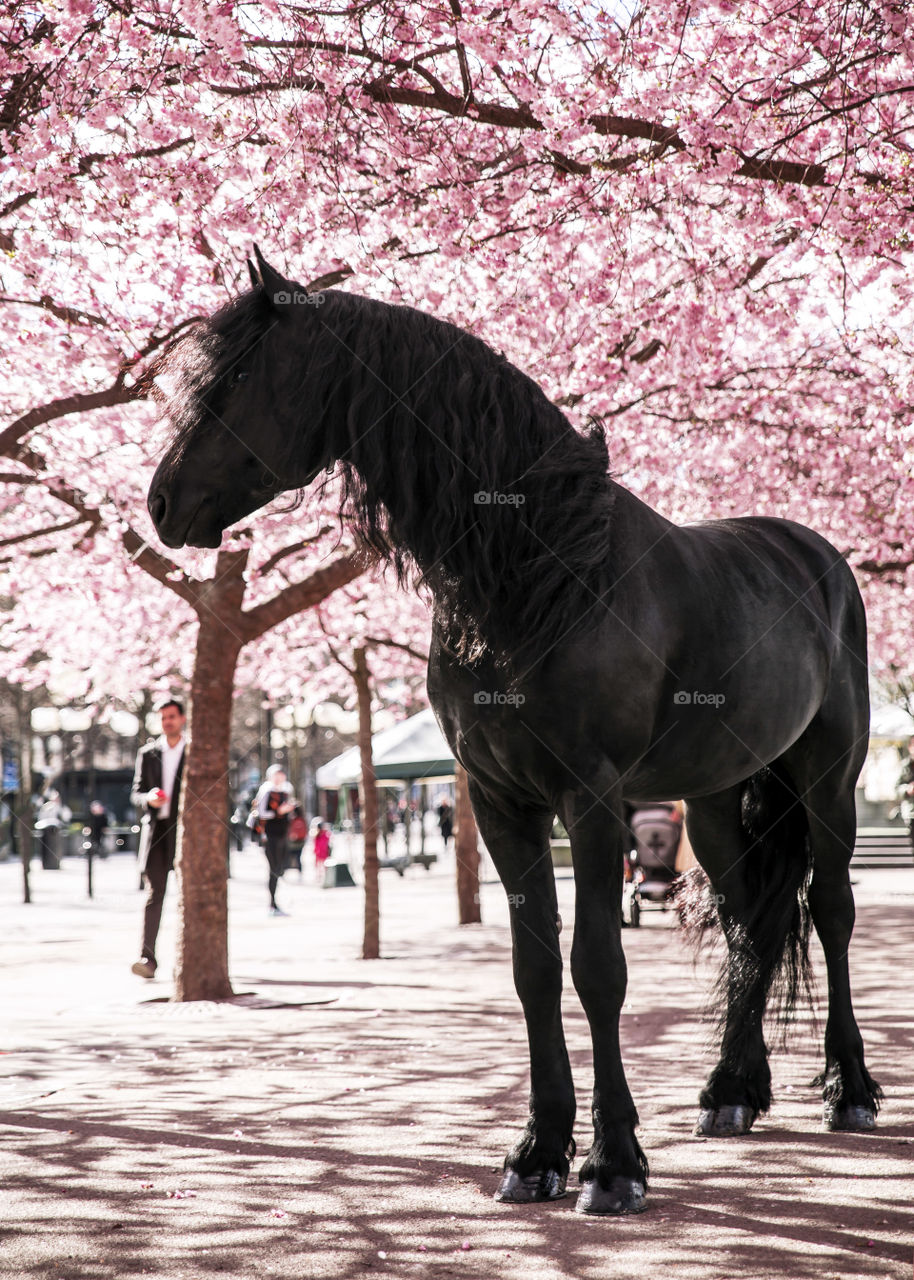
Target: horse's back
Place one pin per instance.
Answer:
(791, 561)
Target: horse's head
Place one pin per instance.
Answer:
(235, 411)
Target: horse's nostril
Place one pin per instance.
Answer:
(158, 508)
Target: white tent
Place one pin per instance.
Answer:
(891, 722)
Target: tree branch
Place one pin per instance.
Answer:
(87, 161)
(310, 591)
(462, 58)
(306, 82)
(329, 279)
(883, 566)
(40, 533)
(80, 402)
(334, 652)
(140, 552)
(46, 303)
(160, 567)
(397, 644)
(280, 555)
(86, 401)
(791, 171)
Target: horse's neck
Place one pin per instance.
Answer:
(385, 482)
(640, 525)
(535, 560)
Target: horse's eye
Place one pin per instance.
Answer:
(240, 375)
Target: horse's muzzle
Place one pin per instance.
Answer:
(158, 508)
(200, 527)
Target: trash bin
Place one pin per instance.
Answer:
(337, 875)
(47, 837)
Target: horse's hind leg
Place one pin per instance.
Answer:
(739, 1087)
(518, 842)
(827, 791)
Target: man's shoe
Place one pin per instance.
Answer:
(278, 911)
(144, 969)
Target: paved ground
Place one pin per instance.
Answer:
(348, 1119)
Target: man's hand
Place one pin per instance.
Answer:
(156, 798)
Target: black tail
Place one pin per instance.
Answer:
(768, 956)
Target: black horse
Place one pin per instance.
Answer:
(585, 649)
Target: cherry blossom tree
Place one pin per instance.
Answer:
(176, 623)
(693, 224)
(362, 636)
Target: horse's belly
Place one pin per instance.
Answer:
(706, 749)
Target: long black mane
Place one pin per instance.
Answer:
(451, 460)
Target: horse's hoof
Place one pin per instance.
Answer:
(625, 1195)
(724, 1122)
(848, 1119)
(545, 1184)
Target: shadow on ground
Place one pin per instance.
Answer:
(364, 1136)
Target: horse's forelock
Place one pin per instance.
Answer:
(200, 363)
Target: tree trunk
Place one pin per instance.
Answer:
(23, 818)
(225, 627)
(467, 852)
(371, 944)
(201, 971)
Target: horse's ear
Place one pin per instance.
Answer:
(278, 289)
(254, 274)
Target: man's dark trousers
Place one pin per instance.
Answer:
(160, 861)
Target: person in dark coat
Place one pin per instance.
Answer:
(156, 792)
(274, 803)
(445, 821)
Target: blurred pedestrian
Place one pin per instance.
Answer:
(97, 824)
(93, 835)
(274, 803)
(52, 815)
(156, 792)
(445, 821)
(296, 837)
(321, 849)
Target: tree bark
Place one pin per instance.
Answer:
(371, 944)
(201, 972)
(467, 852)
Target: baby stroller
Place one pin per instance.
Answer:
(651, 863)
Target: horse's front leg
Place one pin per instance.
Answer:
(614, 1174)
(537, 1167)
